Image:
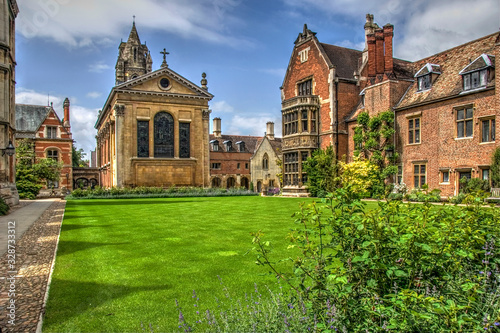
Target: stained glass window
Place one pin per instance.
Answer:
(142, 138)
(164, 135)
(184, 142)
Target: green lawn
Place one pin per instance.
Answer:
(121, 263)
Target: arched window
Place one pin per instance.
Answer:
(164, 135)
(265, 162)
(216, 182)
(245, 183)
(231, 182)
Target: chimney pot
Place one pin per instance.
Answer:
(270, 130)
(217, 127)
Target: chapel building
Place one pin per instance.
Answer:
(154, 127)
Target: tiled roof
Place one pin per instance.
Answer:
(30, 117)
(276, 144)
(251, 142)
(451, 62)
(345, 60)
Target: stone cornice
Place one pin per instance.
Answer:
(164, 94)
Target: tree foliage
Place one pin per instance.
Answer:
(373, 137)
(321, 169)
(399, 267)
(31, 173)
(495, 168)
(363, 177)
(78, 158)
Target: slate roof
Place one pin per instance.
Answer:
(251, 142)
(276, 144)
(451, 62)
(30, 117)
(345, 60)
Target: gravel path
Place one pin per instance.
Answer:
(34, 257)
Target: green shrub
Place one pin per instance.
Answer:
(4, 208)
(474, 185)
(419, 195)
(399, 267)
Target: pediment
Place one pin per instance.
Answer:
(165, 82)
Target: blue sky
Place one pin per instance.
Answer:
(68, 48)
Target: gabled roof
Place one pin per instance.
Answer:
(452, 62)
(128, 87)
(276, 145)
(30, 117)
(345, 60)
(429, 68)
(483, 61)
(251, 142)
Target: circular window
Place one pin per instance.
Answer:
(164, 83)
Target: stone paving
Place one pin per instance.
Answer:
(34, 256)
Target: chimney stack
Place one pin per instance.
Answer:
(379, 51)
(217, 127)
(370, 40)
(66, 113)
(270, 130)
(388, 34)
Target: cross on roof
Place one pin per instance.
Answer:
(164, 52)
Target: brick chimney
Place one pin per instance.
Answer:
(388, 34)
(270, 130)
(217, 127)
(66, 113)
(379, 51)
(370, 40)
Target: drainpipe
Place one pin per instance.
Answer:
(336, 119)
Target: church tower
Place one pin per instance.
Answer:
(134, 58)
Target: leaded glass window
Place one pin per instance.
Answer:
(184, 140)
(164, 135)
(142, 138)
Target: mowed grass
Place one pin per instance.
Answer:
(121, 263)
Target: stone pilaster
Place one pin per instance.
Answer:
(205, 149)
(119, 142)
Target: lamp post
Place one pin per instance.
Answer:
(9, 150)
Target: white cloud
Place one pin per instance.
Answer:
(98, 67)
(82, 119)
(222, 107)
(94, 94)
(92, 22)
(421, 28)
(255, 126)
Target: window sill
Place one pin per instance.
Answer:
(486, 143)
(465, 138)
(414, 144)
(447, 183)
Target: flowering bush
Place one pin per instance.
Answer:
(400, 267)
(362, 176)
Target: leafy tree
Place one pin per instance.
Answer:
(78, 156)
(495, 168)
(373, 137)
(321, 169)
(31, 173)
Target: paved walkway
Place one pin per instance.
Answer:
(25, 274)
(23, 217)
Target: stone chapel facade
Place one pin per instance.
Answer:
(154, 127)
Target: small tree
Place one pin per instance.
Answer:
(321, 169)
(48, 170)
(27, 182)
(495, 168)
(363, 178)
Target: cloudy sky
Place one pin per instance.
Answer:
(68, 48)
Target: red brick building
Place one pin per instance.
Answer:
(230, 158)
(445, 106)
(51, 137)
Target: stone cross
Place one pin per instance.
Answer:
(164, 63)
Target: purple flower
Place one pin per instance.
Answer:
(181, 317)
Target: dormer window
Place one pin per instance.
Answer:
(229, 145)
(427, 75)
(478, 73)
(51, 132)
(241, 146)
(215, 145)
